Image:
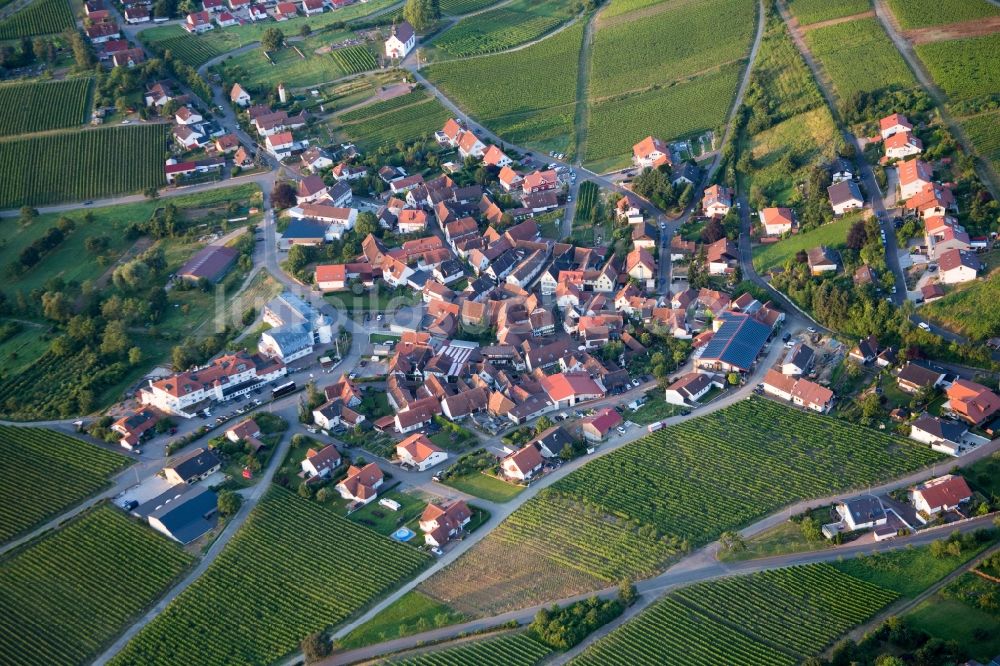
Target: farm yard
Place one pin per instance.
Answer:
(502, 28)
(678, 41)
(518, 649)
(80, 165)
(814, 11)
(859, 58)
(964, 68)
(774, 617)
(30, 493)
(630, 513)
(41, 17)
(39, 106)
(270, 571)
(922, 13)
(519, 105)
(65, 596)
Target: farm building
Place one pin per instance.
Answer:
(210, 263)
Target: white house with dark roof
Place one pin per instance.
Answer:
(401, 41)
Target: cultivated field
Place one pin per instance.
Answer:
(39, 106)
(64, 597)
(41, 17)
(294, 568)
(984, 133)
(969, 309)
(354, 59)
(30, 492)
(77, 165)
(775, 617)
(676, 42)
(531, 98)
(673, 112)
(459, 7)
(859, 57)
(629, 513)
(964, 68)
(814, 11)
(503, 27)
(618, 7)
(384, 106)
(508, 650)
(189, 49)
(254, 69)
(920, 13)
(832, 234)
(402, 124)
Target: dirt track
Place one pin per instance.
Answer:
(965, 30)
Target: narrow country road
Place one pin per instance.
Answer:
(875, 194)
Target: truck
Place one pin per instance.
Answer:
(653, 427)
(284, 389)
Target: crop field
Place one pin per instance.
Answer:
(631, 512)
(459, 7)
(984, 133)
(677, 42)
(791, 125)
(354, 59)
(29, 492)
(618, 7)
(969, 309)
(832, 234)
(964, 68)
(859, 57)
(294, 568)
(509, 650)
(772, 618)
(403, 124)
(814, 11)
(65, 596)
(78, 165)
(921, 13)
(190, 49)
(503, 28)
(39, 106)
(673, 112)
(586, 201)
(41, 17)
(520, 105)
(384, 106)
(725, 470)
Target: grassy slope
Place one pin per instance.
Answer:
(412, 613)
(969, 309)
(832, 234)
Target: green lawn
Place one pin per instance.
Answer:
(412, 613)
(969, 309)
(487, 487)
(386, 521)
(781, 539)
(253, 70)
(984, 475)
(952, 620)
(833, 234)
(655, 409)
(909, 570)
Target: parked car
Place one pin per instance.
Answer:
(437, 551)
(924, 325)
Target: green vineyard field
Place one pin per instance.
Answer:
(510, 650)
(964, 68)
(354, 59)
(64, 597)
(459, 7)
(78, 165)
(189, 49)
(503, 28)
(403, 124)
(378, 108)
(814, 11)
(41, 17)
(294, 568)
(40, 106)
(772, 618)
(29, 492)
(921, 13)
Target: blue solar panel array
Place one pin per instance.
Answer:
(738, 341)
